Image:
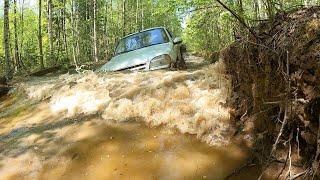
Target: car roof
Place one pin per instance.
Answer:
(143, 31)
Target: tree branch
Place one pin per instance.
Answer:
(238, 18)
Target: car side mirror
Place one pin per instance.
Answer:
(177, 40)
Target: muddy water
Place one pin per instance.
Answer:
(155, 125)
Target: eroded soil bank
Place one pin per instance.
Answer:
(144, 125)
(276, 80)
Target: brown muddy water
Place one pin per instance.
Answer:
(144, 125)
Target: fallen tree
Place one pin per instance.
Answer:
(276, 84)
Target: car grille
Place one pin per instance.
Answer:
(138, 67)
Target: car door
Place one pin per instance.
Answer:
(175, 47)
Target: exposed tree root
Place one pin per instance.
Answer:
(277, 90)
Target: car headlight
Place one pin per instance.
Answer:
(160, 61)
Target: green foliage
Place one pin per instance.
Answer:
(207, 26)
(110, 28)
(210, 28)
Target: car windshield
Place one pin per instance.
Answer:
(141, 40)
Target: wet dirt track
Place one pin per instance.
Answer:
(59, 128)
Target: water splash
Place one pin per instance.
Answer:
(189, 101)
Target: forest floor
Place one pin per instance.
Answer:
(159, 124)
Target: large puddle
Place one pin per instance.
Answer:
(155, 125)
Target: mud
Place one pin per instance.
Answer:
(189, 101)
(145, 125)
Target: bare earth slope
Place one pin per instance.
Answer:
(276, 80)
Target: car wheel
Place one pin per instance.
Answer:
(172, 66)
(181, 64)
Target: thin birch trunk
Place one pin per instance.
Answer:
(137, 15)
(73, 34)
(40, 35)
(142, 17)
(95, 31)
(16, 49)
(124, 17)
(50, 32)
(64, 31)
(22, 32)
(6, 39)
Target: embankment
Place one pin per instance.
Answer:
(276, 84)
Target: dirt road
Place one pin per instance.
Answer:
(143, 125)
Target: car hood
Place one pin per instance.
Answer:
(136, 57)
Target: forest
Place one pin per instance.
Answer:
(38, 34)
(247, 105)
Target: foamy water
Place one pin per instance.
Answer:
(189, 101)
(99, 126)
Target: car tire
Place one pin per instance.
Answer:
(171, 67)
(181, 63)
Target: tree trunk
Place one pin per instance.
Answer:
(16, 49)
(6, 39)
(142, 17)
(151, 15)
(270, 9)
(65, 42)
(240, 7)
(40, 35)
(106, 29)
(77, 22)
(256, 10)
(218, 32)
(73, 34)
(137, 16)
(50, 32)
(95, 31)
(58, 37)
(22, 32)
(124, 17)
(280, 2)
(118, 20)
